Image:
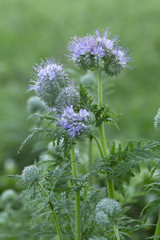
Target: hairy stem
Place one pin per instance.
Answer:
(100, 102)
(116, 232)
(53, 212)
(102, 134)
(98, 145)
(77, 196)
(90, 151)
(157, 233)
(70, 185)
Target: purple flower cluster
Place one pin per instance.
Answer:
(98, 52)
(49, 79)
(74, 123)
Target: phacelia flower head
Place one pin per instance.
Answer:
(75, 123)
(96, 52)
(49, 79)
(68, 96)
(157, 120)
(118, 61)
(107, 209)
(30, 174)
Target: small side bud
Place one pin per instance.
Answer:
(34, 104)
(157, 120)
(107, 209)
(30, 174)
(68, 96)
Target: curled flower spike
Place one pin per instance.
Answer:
(118, 61)
(30, 174)
(107, 209)
(75, 123)
(157, 120)
(49, 79)
(96, 52)
(68, 96)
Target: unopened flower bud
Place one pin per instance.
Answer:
(30, 174)
(34, 104)
(107, 209)
(157, 120)
(68, 96)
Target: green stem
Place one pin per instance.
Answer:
(53, 212)
(111, 188)
(100, 102)
(99, 146)
(116, 232)
(70, 185)
(103, 140)
(102, 134)
(157, 233)
(99, 90)
(90, 151)
(77, 196)
(110, 182)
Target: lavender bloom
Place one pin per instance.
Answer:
(49, 79)
(96, 52)
(74, 123)
(118, 60)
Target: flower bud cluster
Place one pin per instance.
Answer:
(68, 95)
(50, 82)
(99, 53)
(157, 120)
(106, 210)
(30, 174)
(76, 123)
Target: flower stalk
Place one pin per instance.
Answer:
(100, 101)
(90, 151)
(53, 212)
(77, 196)
(98, 145)
(102, 134)
(116, 232)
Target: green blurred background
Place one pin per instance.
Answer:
(31, 30)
